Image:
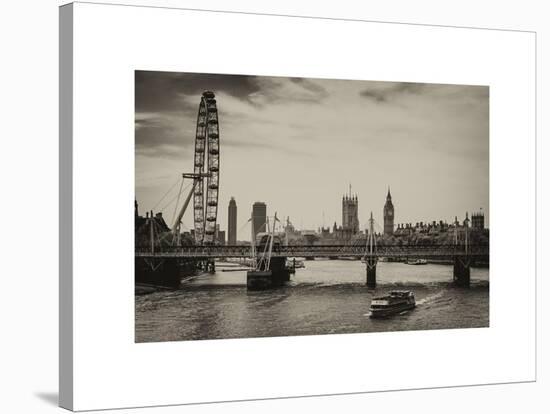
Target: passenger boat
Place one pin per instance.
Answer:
(417, 262)
(395, 301)
(296, 264)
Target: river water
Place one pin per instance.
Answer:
(325, 297)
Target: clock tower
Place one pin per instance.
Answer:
(389, 215)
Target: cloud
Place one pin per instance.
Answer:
(158, 91)
(166, 104)
(386, 91)
(163, 134)
(311, 86)
(287, 90)
(401, 92)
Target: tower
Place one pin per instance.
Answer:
(350, 213)
(478, 220)
(219, 235)
(232, 222)
(466, 222)
(389, 215)
(259, 217)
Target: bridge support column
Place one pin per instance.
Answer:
(371, 271)
(280, 273)
(461, 271)
(276, 276)
(211, 266)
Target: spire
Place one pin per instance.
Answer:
(466, 221)
(388, 197)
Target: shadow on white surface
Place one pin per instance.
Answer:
(51, 398)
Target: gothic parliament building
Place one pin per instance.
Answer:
(350, 222)
(350, 217)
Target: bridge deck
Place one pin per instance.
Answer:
(207, 252)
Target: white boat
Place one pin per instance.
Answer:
(396, 301)
(417, 262)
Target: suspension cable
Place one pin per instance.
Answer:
(165, 194)
(172, 199)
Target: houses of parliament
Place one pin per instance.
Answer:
(350, 223)
(350, 217)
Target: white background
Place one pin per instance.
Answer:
(29, 303)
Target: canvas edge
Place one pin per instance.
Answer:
(66, 398)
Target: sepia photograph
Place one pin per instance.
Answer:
(281, 206)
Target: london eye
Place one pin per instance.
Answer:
(206, 161)
(206, 165)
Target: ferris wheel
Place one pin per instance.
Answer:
(207, 165)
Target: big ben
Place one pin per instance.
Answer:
(389, 215)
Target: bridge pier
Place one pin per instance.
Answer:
(211, 266)
(461, 271)
(276, 276)
(371, 271)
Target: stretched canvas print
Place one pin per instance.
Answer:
(259, 206)
(276, 206)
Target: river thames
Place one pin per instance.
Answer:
(325, 297)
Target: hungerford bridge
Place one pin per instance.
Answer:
(268, 255)
(164, 252)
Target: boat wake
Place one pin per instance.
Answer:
(430, 299)
(483, 284)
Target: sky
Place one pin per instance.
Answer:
(297, 144)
